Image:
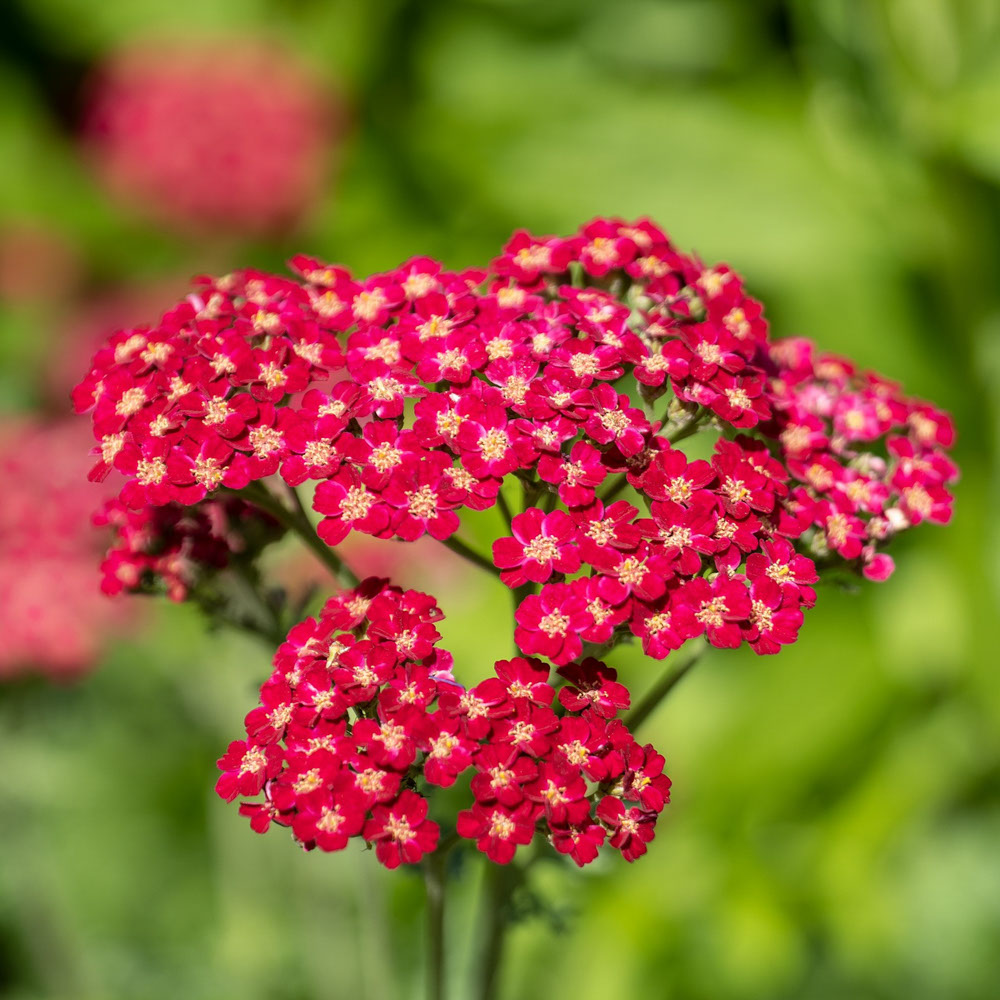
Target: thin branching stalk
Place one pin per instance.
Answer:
(300, 507)
(269, 625)
(468, 552)
(617, 485)
(670, 678)
(694, 425)
(505, 510)
(298, 522)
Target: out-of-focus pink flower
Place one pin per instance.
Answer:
(210, 138)
(37, 263)
(86, 330)
(52, 612)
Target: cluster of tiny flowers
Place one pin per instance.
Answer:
(570, 368)
(562, 765)
(414, 393)
(171, 549)
(53, 618)
(211, 139)
(674, 575)
(865, 461)
(362, 716)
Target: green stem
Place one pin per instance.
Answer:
(467, 552)
(269, 637)
(434, 880)
(531, 491)
(300, 507)
(298, 522)
(497, 887)
(272, 629)
(447, 843)
(508, 515)
(691, 427)
(615, 488)
(671, 677)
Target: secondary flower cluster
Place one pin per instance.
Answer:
(215, 139)
(866, 462)
(361, 716)
(171, 549)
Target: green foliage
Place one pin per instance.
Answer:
(836, 813)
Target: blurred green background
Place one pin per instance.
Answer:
(835, 828)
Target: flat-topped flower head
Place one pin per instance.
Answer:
(349, 721)
(560, 386)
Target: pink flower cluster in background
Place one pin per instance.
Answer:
(53, 618)
(362, 713)
(225, 140)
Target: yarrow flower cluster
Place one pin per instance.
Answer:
(210, 139)
(559, 381)
(865, 462)
(361, 716)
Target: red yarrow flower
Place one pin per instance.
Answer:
(246, 767)
(542, 544)
(549, 623)
(718, 607)
(497, 829)
(630, 829)
(401, 832)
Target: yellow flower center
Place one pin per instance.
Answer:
(554, 624)
(493, 444)
(712, 612)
